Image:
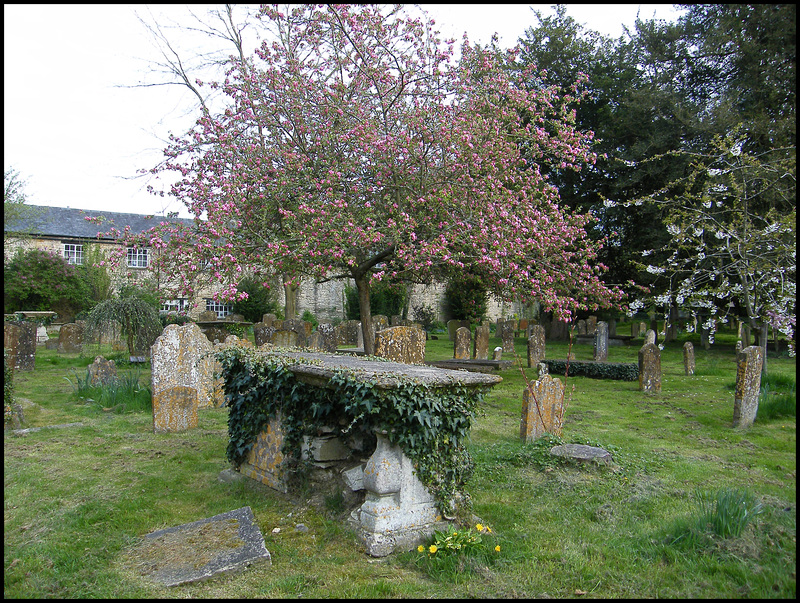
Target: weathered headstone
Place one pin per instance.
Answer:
(452, 327)
(748, 385)
(262, 333)
(285, 338)
(480, 346)
(268, 318)
(182, 357)
(19, 339)
(542, 408)
(401, 344)
(102, 371)
(461, 345)
(650, 368)
(591, 325)
(379, 322)
(634, 330)
(581, 327)
(207, 316)
(536, 345)
(601, 341)
(175, 409)
(507, 336)
(650, 337)
(522, 326)
(299, 327)
(323, 339)
(70, 338)
(580, 453)
(498, 353)
(348, 333)
(688, 358)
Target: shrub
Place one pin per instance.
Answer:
(385, 298)
(139, 319)
(466, 298)
(309, 317)
(42, 280)
(425, 316)
(623, 371)
(260, 300)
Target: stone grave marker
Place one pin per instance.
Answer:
(591, 325)
(634, 330)
(102, 371)
(507, 336)
(175, 409)
(262, 333)
(285, 338)
(522, 326)
(536, 345)
(498, 353)
(200, 550)
(19, 339)
(461, 346)
(480, 346)
(542, 408)
(379, 322)
(401, 344)
(581, 327)
(688, 358)
(601, 341)
(583, 454)
(70, 338)
(207, 316)
(267, 319)
(452, 327)
(650, 337)
(748, 385)
(650, 368)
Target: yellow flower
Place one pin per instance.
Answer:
(497, 548)
(479, 527)
(488, 529)
(420, 548)
(433, 548)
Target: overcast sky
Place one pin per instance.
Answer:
(77, 135)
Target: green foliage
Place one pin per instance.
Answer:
(260, 300)
(430, 426)
(123, 394)
(385, 298)
(140, 322)
(466, 298)
(309, 317)
(778, 397)
(425, 316)
(173, 318)
(36, 279)
(145, 289)
(458, 552)
(94, 273)
(8, 389)
(623, 371)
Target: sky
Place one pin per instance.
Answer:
(78, 130)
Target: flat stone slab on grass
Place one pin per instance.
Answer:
(582, 453)
(202, 549)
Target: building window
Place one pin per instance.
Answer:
(138, 258)
(175, 305)
(73, 253)
(220, 308)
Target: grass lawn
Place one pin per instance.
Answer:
(77, 499)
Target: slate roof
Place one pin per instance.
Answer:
(69, 223)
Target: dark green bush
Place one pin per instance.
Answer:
(466, 298)
(388, 299)
(260, 300)
(622, 371)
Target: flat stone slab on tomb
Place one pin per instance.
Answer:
(200, 550)
(475, 365)
(582, 453)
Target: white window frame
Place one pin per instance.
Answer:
(221, 308)
(73, 253)
(138, 257)
(180, 304)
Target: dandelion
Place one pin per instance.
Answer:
(479, 527)
(420, 549)
(497, 548)
(433, 548)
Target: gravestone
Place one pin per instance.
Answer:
(461, 346)
(748, 385)
(507, 336)
(497, 354)
(262, 333)
(19, 340)
(299, 327)
(199, 550)
(182, 357)
(70, 338)
(591, 325)
(650, 368)
(348, 333)
(688, 358)
(175, 409)
(650, 337)
(41, 334)
(612, 327)
(480, 346)
(379, 322)
(559, 330)
(323, 339)
(601, 341)
(542, 409)
(634, 330)
(581, 327)
(643, 328)
(580, 453)
(285, 338)
(401, 344)
(452, 327)
(522, 326)
(536, 345)
(102, 371)
(207, 316)
(268, 318)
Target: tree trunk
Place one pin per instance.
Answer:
(362, 284)
(290, 297)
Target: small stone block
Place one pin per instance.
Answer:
(582, 453)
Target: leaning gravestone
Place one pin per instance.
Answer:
(323, 339)
(70, 338)
(536, 345)
(262, 333)
(688, 358)
(601, 341)
(452, 327)
(461, 345)
(542, 409)
(650, 368)
(401, 344)
(650, 337)
(748, 385)
(19, 339)
(480, 347)
(202, 549)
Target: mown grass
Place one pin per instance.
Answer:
(78, 499)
